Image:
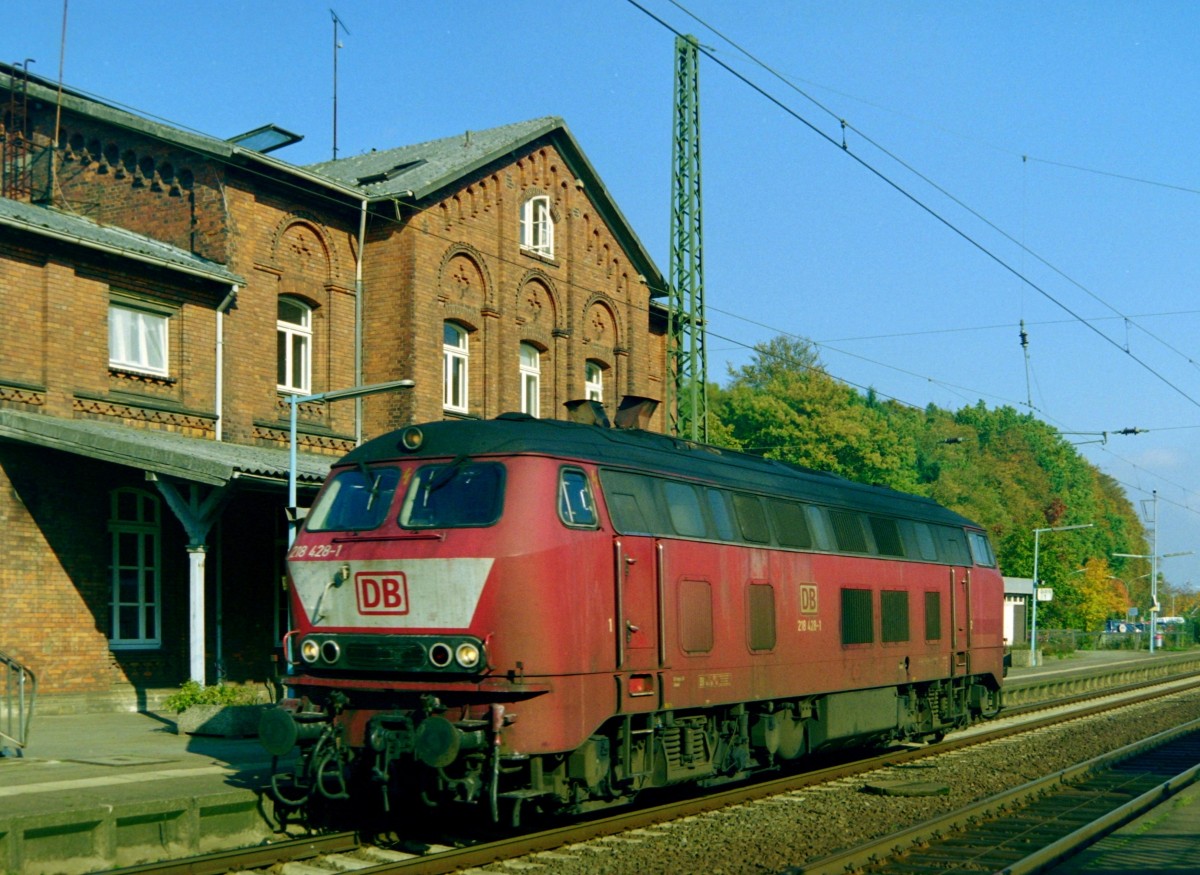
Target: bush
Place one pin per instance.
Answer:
(193, 693)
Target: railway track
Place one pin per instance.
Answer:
(1040, 824)
(545, 849)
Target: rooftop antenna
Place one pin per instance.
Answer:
(337, 22)
(62, 56)
(54, 144)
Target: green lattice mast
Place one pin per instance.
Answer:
(687, 361)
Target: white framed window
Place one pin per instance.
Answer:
(135, 527)
(137, 339)
(531, 379)
(294, 333)
(454, 368)
(537, 226)
(593, 382)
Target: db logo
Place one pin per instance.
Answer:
(382, 593)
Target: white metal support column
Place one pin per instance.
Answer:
(197, 516)
(197, 553)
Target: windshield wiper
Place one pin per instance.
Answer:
(449, 472)
(371, 479)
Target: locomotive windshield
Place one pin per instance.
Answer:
(356, 500)
(462, 493)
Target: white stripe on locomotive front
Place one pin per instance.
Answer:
(392, 593)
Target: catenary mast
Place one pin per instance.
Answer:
(687, 401)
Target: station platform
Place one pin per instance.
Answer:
(1089, 660)
(99, 791)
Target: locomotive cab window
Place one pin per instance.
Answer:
(926, 545)
(683, 506)
(952, 546)
(721, 515)
(456, 495)
(631, 503)
(981, 549)
(356, 500)
(575, 505)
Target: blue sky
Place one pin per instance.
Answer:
(1068, 130)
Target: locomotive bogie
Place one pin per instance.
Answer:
(540, 613)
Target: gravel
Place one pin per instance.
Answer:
(772, 834)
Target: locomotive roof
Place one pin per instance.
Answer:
(651, 452)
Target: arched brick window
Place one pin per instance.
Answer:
(537, 226)
(593, 381)
(455, 352)
(294, 332)
(531, 379)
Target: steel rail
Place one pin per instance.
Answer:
(550, 839)
(259, 856)
(878, 851)
(1068, 845)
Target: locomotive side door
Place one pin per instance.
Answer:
(639, 597)
(960, 621)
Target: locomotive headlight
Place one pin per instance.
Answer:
(467, 654)
(440, 655)
(412, 438)
(310, 650)
(331, 651)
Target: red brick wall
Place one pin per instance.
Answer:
(54, 509)
(119, 177)
(460, 259)
(455, 258)
(283, 247)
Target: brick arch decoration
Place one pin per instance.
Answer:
(536, 305)
(601, 325)
(468, 322)
(107, 157)
(291, 229)
(463, 277)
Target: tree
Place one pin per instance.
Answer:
(784, 405)
(1006, 470)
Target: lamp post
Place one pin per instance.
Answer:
(294, 401)
(1153, 557)
(1037, 533)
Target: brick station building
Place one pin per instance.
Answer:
(166, 293)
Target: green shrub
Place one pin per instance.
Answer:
(192, 693)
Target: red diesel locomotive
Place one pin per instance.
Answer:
(557, 615)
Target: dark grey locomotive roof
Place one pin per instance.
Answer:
(633, 449)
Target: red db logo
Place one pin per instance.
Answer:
(382, 593)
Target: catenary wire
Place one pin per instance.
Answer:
(937, 187)
(332, 200)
